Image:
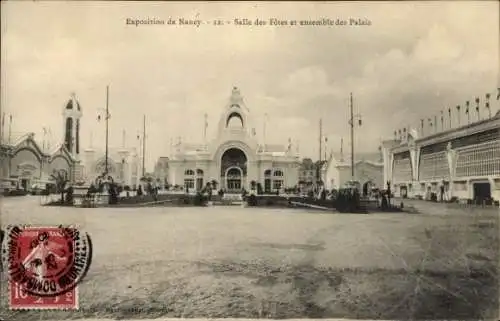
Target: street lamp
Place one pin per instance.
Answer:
(353, 121)
(107, 115)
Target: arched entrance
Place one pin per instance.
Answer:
(233, 170)
(234, 177)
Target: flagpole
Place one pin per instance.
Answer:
(467, 111)
(205, 128)
(10, 128)
(107, 130)
(487, 104)
(326, 147)
(342, 149)
(3, 128)
(477, 109)
(144, 147)
(320, 137)
(352, 136)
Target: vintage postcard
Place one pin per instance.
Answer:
(251, 160)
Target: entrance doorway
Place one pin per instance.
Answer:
(233, 170)
(403, 190)
(24, 184)
(233, 180)
(482, 192)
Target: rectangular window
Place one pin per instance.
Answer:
(189, 183)
(277, 184)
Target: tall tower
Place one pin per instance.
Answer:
(72, 114)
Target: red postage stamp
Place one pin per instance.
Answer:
(45, 264)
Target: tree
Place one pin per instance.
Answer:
(214, 184)
(60, 178)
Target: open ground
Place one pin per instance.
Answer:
(277, 263)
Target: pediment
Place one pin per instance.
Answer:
(29, 142)
(62, 151)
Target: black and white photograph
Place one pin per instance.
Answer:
(166, 160)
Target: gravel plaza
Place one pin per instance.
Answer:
(277, 263)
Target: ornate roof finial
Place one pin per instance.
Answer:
(236, 96)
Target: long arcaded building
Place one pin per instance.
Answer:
(463, 162)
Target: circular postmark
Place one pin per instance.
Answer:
(46, 261)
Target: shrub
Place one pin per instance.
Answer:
(199, 200)
(259, 189)
(252, 200)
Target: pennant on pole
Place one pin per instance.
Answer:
(477, 108)
(487, 104)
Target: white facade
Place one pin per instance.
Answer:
(368, 169)
(123, 165)
(234, 158)
(464, 160)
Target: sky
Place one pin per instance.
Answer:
(413, 60)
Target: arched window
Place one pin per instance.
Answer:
(189, 172)
(199, 172)
(267, 172)
(278, 173)
(235, 116)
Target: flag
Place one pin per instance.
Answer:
(467, 103)
(487, 104)
(98, 117)
(326, 139)
(477, 104)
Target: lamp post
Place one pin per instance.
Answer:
(353, 118)
(107, 115)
